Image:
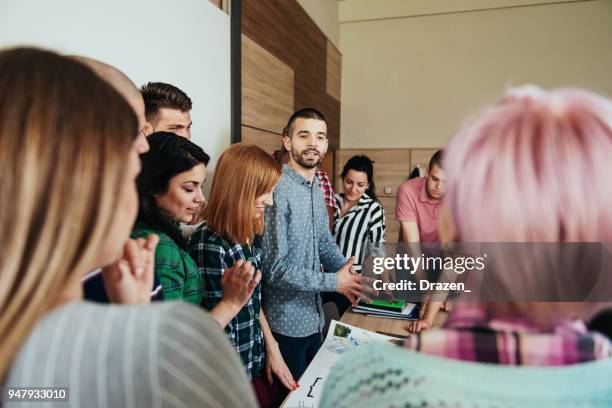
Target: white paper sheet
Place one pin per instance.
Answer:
(341, 339)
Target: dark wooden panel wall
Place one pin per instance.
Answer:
(283, 30)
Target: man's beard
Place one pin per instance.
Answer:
(299, 158)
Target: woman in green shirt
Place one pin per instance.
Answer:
(170, 192)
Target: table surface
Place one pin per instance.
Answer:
(391, 327)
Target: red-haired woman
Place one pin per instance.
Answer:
(241, 190)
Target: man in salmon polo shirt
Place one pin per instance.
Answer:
(417, 209)
(419, 201)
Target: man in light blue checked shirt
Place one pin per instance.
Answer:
(296, 242)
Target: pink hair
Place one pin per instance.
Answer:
(534, 167)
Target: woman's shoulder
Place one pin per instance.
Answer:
(408, 378)
(142, 230)
(94, 342)
(80, 314)
(77, 329)
(206, 235)
(371, 203)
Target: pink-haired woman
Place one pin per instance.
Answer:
(533, 168)
(533, 171)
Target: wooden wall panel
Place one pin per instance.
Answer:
(266, 140)
(267, 88)
(392, 230)
(334, 71)
(421, 157)
(284, 29)
(217, 3)
(329, 164)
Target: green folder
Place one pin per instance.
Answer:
(392, 306)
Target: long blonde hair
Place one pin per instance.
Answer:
(64, 139)
(243, 173)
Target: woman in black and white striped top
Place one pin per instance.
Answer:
(359, 219)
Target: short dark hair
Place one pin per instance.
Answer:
(168, 156)
(306, 113)
(437, 158)
(159, 95)
(364, 164)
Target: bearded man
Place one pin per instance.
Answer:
(297, 242)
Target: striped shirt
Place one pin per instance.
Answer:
(362, 225)
(215, 254)
(161, 355)
(471, 335)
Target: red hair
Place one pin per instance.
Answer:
(243, 173)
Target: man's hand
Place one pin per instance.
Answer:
(418, 326)
(354, 286)
(238, 284)
(130, 279)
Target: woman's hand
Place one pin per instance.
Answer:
(238, 284)
(418, 326)
(130, 279)
(428, 314)
(198, 216)
(275, 364)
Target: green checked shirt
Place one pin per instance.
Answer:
(213, 255)
(174, 268)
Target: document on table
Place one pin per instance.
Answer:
(341, 339)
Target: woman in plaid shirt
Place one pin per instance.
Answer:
(241, 190)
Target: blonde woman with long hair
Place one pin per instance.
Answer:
(68, 198)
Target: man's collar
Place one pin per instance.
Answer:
(297, 177)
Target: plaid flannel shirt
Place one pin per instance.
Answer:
(471, 335)
(328, 190)
(176, 271)
(213, 255)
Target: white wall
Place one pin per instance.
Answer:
(411, 82)
(362, 10)
(325, 15)
(182, 42)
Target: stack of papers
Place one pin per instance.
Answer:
(394, 309)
